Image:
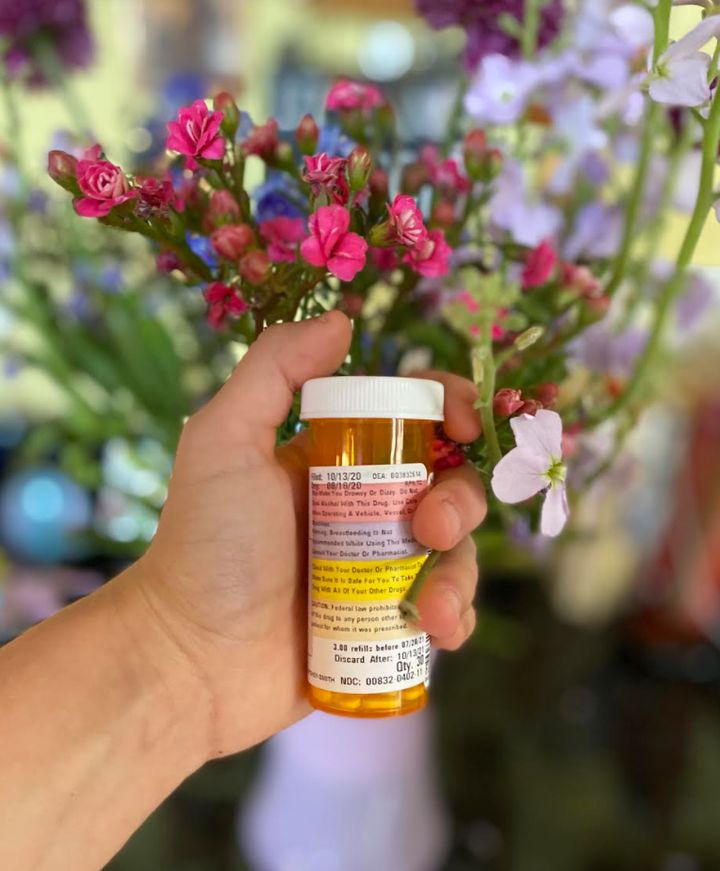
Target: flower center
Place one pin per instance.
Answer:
(557, 471)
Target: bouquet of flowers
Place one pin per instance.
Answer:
(522, 251)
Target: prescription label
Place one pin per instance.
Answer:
(363, 559)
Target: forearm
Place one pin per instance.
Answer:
(100, 720)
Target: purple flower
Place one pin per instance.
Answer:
(699, 296)
(596, 232)
(602, 348)
(481, 20)
(278, 197)
(499, 92)
(62, 25)
(528, 221)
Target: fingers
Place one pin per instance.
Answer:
(258, 395)
(451, 509)
(445, 602)
(462, 421)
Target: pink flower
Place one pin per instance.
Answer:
(263, 140)
(223, 302)
(104, 185)
(430, 258)
(327, 175)
(282, 235)
(507, 401)
(331, 245)
(406, 223)
(535, 465)
(154, 195)
(195, 133)
(347, 95)
(473, 306)
(385, 259)
(539, 266)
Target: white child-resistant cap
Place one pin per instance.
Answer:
(372, 397)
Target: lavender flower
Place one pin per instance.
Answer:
(482, 19)
(602, 349)
(61, 25)
(512, 208)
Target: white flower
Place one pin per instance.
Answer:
(681, 75)
(535, 465)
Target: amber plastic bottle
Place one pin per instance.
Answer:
(370, 464)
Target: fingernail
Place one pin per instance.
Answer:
(454, 518)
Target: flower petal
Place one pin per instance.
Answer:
(695, 40)
(348, 258)
(686, 83)
(555, 511)
(312, 252)
(541, 434)
(215, 150)
(519, 475)
(332, 224)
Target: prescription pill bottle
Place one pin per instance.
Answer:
(370, 465)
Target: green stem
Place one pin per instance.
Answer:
(531, 27)
(650, 124)
(674, 285)
(408, 606)
(653, 238)
(661, 17)
(14, 125)
(653, 116)
(487, 394)
(456, 114)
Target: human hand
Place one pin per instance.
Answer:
(225, 578)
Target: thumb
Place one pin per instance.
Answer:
(259, 393)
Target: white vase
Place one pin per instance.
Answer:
(339, 794)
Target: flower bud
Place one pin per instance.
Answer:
(225, 103)
(62, 169)
(168, 261)
(380, 236)
(307, 134)
(531, 407)
(378, 182)
(414, 176)
(529, 337)
(546, 394)
(443, 213)
(255, 267)
(507, 401)
(492, 165)
(598, 305)
(352, 304)
(359, 164)
(231, 241)
(283, 154)
(223, 205)
(475, 153)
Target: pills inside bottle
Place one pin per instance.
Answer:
(370, 465)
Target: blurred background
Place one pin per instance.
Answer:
(580, 728)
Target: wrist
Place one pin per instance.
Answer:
(164, 674)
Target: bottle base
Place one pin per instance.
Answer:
(371, 706)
